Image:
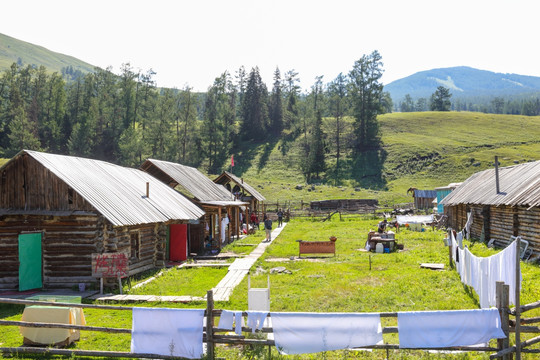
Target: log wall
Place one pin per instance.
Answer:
(26, 184)
(68, 243)
(499, 223)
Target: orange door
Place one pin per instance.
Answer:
(178, 242)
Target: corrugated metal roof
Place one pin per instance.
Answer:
(519, 185)
(195, 182)
(425, 193)
(119, 193)
(250, 189)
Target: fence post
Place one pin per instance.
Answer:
(503, 303)
(210, 324)
(517, 298)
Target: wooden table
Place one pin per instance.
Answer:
(387, 243)
(51, 314)
(316, 247)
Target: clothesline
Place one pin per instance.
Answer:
(482, 273)
(180, 331)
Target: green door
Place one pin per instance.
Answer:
(30, 261)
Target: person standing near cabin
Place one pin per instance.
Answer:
(280, 217)
(268, 228)
(254, 220)
(382, 226)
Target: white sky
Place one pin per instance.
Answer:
(192, 42)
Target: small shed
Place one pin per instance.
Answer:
(213, 198)
(241, 190)
(57, 211)
(423, 199)
(442, 192)
(504, 202)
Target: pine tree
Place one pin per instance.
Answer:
(365, 92)
(337, 101)
(275, 107)
(254, 106)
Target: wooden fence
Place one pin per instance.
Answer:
(213, 335)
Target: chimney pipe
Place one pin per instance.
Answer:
(497, 174)
(147, 189)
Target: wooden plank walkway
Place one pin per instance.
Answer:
(239, 269)
(146, 298)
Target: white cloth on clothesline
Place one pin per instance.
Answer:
(302, 333)
(255, 319)
(434, 329)
(176, 332)
(414, 219)
(226, 320)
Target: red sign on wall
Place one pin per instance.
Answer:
(110, 265)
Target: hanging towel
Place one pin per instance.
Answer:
(226, 320)
(175, 332)
(239, 321)
(434, 329)
(255, 319)
(302, 333)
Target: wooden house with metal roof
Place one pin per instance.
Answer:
(241, 190)
(224, 214)
(58, 212)
(504, 202)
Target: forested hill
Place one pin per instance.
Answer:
(23, 53)
(463, 82)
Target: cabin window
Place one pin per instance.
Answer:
(70, 196)
(135, 245)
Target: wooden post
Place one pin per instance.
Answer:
(450, 250)
(219, 227)
(369, 262)
(210, 324)
(517, 300)
(503, 294)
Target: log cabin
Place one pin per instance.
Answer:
(74, 207)
(504, 202)
(242, 191)
(213, 198)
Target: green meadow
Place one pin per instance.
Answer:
(320, 283)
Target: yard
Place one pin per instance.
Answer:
(344, 283)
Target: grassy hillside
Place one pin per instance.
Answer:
(422, 150)
(11, 50)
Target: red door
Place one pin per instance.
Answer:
(178, 242)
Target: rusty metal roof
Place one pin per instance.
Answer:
(117, 192)
(519, 185)
(250, 189)
(192, 180)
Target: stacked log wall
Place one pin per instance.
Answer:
(27, 185)
(504, 222)
(67, 246)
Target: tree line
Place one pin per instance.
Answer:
(125, 118)
(528, 104)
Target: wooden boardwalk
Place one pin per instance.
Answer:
(239, 269)
(146, 298)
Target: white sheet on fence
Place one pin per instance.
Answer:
(434, 329)
(303, 333)
(414, 219)
(177, 332)
(255, 319)
(228, 317)
(482, 273)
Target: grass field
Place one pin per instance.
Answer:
(422, 150)
(343, 283)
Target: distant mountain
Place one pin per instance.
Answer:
(463, 82)
(24, 53)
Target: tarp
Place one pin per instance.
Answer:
(414, 219)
